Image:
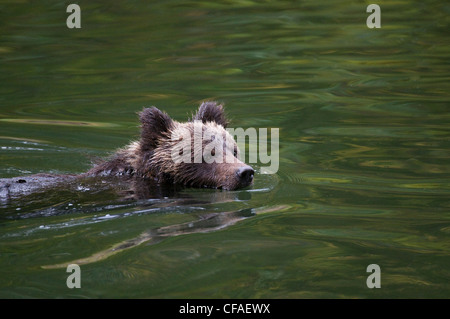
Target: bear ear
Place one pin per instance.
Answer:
(211, 112)
(154, 125)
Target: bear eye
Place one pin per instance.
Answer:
(235, 152)
(180, 152)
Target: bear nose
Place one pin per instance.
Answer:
(245, 174)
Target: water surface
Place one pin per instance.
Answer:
(364, 149)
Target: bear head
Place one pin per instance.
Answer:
(197, 153)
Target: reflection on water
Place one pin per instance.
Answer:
(52, 195)
(364, 149)
(208, 223)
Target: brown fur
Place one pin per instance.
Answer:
(152, 155)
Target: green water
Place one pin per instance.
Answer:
(364, 170)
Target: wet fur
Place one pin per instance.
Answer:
(151, 156)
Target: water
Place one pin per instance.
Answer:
(364, 149)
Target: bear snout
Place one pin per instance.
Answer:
(245, 175)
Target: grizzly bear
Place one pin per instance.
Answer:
(197, 153)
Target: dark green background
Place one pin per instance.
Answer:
(364, 146)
